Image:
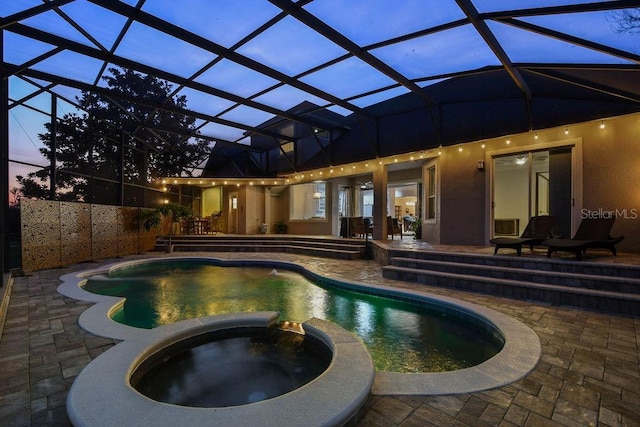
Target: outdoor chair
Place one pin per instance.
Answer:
(216, 218)
(538, 229)
(357, 226)
(592, 233)
(393, 227)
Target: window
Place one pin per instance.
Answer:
(286, 148)
(308, 201)
(431, 192)
(367, 203)
(322, 135)
(344, 201)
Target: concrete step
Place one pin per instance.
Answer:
(347, 249)
(578, 280)
(267, 238)
(272, 242)
(536, 263)
(287, 248)
(592, 299)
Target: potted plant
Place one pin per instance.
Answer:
(280, 227)
(152, 218)
(417, 229)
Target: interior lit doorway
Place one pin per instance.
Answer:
(532, 183)
(404, 205)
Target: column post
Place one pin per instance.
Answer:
(380, 179)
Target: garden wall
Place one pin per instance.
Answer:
(56, 234)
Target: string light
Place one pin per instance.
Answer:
(602, 124)
(566, 130)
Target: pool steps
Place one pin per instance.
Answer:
(590, 285)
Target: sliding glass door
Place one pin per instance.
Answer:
(532, 183)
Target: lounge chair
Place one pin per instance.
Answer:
(538, 229)
(592, 233)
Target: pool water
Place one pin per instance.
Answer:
(232, 367)
(401, 336)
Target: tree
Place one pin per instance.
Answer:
(88, 143)
(627, 21)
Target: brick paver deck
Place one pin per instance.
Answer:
(588, 375)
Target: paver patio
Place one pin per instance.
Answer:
(588, 375)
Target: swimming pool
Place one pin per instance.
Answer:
(519, 355)
(401, 335)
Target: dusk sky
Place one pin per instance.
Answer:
(288, 47)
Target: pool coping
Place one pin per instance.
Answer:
(101, 395)
(518, 357)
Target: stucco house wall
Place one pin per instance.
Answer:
(610, 162)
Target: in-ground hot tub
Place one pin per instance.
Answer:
(105, 391)
(232, 367)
